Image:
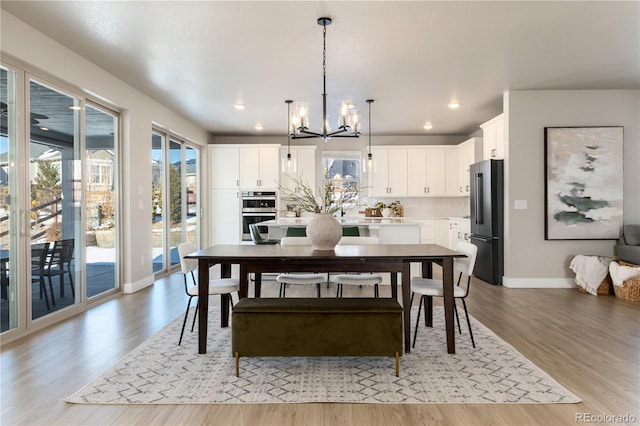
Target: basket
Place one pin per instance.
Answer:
(605, 288)
(630, 289)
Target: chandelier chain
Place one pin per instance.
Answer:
(324, 50)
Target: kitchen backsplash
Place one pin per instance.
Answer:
(429, 207)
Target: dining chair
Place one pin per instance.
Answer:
(293, 278)
(296, 231)
(350, 231)
(257, 238)
(39, 253)
(225, 287)
(357, 279)
(59, 263)
(429, 288)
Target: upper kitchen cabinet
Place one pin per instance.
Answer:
(224, 166)
(304, 159)
(259, 166)
(388, 177)
(493, 138)
(469, 152)
(451, 172)
(426, 170)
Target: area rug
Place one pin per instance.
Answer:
(161, 372)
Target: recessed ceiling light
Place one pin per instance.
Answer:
(74, 108)
(454, 105)
(258, 126)
(428, 125)
(46, 129)
(239, 107)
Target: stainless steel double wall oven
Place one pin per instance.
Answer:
(257, 206)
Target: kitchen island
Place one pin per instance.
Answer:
(390, 230)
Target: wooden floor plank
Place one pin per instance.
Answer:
(588, 344)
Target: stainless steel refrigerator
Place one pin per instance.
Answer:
(487, 217)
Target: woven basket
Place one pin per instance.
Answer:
(630, 289)
(605, 288)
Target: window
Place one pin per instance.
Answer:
(341, 178)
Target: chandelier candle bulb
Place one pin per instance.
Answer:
(343, 109)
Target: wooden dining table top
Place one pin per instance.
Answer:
(405, 252)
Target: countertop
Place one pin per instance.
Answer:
(359, 221)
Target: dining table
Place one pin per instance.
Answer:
(378, 258)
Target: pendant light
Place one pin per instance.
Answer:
(369, 154)
(289, 164)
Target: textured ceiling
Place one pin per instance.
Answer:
(201, 57)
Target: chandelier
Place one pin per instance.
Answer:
(348, 116)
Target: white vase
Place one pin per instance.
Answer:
(386, 212)
(324, 231)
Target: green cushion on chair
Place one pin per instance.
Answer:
(296, 232)
(350, 231)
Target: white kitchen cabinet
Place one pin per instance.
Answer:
(459, 231)
(453, 233)
(493, 138)
(442, 232)
(259, 166)
(388, 177)
(304, 158)
(427, 231)
(464, 228)
(451, 172)
(426, 172)
(469, 152)
(224, 166)
(224, 217)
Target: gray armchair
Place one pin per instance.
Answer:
(628, 248)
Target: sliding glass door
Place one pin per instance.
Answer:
(101, 171)
(175, 198)
(58, 201)
(9, 211)
(191, 191)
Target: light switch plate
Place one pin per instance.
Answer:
(520, 204)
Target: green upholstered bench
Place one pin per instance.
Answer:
(316, 327)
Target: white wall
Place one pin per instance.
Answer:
(529, 259)
(23, 45)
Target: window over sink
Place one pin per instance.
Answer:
(341, 174)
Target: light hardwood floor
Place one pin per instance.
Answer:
(589, 344)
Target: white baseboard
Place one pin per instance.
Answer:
(538, 282)
(129, 288)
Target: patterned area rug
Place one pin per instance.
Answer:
(161, 372)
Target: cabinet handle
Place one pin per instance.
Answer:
(237, 182)
(424, 189)
(461, 189)
(493, 152)
(467, 188)
(428, 189)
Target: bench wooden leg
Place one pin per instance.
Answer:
(237, 364)
(397, 364)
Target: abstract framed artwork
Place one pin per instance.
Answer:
(583, 183)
